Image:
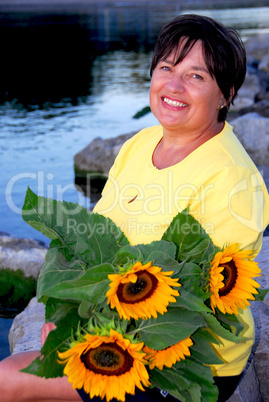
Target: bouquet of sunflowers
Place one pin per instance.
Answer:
(131, 317)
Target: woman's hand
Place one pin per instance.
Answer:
(45, 330)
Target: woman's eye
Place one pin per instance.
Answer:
(165, 68)
(197, 77)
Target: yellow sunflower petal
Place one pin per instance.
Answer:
(169, 356)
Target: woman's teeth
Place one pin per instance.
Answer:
(174, 103)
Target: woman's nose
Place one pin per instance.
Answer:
(176, 84)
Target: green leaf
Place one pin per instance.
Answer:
(202, 349)
(65, 316)
(127, 256)
(165, 261)
(218, 329)
(230, 321)
(57, 269)
(169, 328)
(77, 233)
(188, 381)
(191, 276)
(142, 112)
(187, 234)
(173, 382)
(190, 301)
(164, 246)
(261, 295)
(91, 286)
(60, 311)
(85, 309)
(199, 374)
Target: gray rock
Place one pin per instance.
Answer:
(257, 46)
(261, 316)
(21, 253)
(99, 155)
(264, 63)
(248, 389)
(254, 385)
(24, 334)
(248, 91)
(264, 170)
(260, 107)
(253, 132)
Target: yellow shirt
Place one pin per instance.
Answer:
(224, 192)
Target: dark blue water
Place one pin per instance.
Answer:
(68, 78)
(5, 324)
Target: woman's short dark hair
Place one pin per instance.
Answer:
(223, 50)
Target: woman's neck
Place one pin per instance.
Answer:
(173, 148)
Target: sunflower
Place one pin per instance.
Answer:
(231, 280)
(106, 366)
(142, 291)
(169, 356)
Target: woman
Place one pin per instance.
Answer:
(191, 159)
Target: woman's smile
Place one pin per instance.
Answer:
(174, 103)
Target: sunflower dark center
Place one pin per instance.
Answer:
(108, 359)
(137, 287)
(230, 275)
(138, 291)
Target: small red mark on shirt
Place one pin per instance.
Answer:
(129, 202)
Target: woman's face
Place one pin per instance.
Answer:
(185, 98)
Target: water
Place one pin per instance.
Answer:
(5, 324)
(66, 79)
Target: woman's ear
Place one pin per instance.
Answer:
(222, 102)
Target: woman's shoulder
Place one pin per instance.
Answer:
(139, 140)
(224, 159)
(145, 135)
(229, 150)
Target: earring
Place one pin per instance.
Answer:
(221, 107)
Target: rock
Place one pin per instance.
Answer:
(260, 107)
(264, 63)
(248, 91)
(264, 170)
(261, 316)
(21, 253)
(99, 155)
(257, 46)
(254, 385)
(25, 331)
(248, 389)
(253, 132)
